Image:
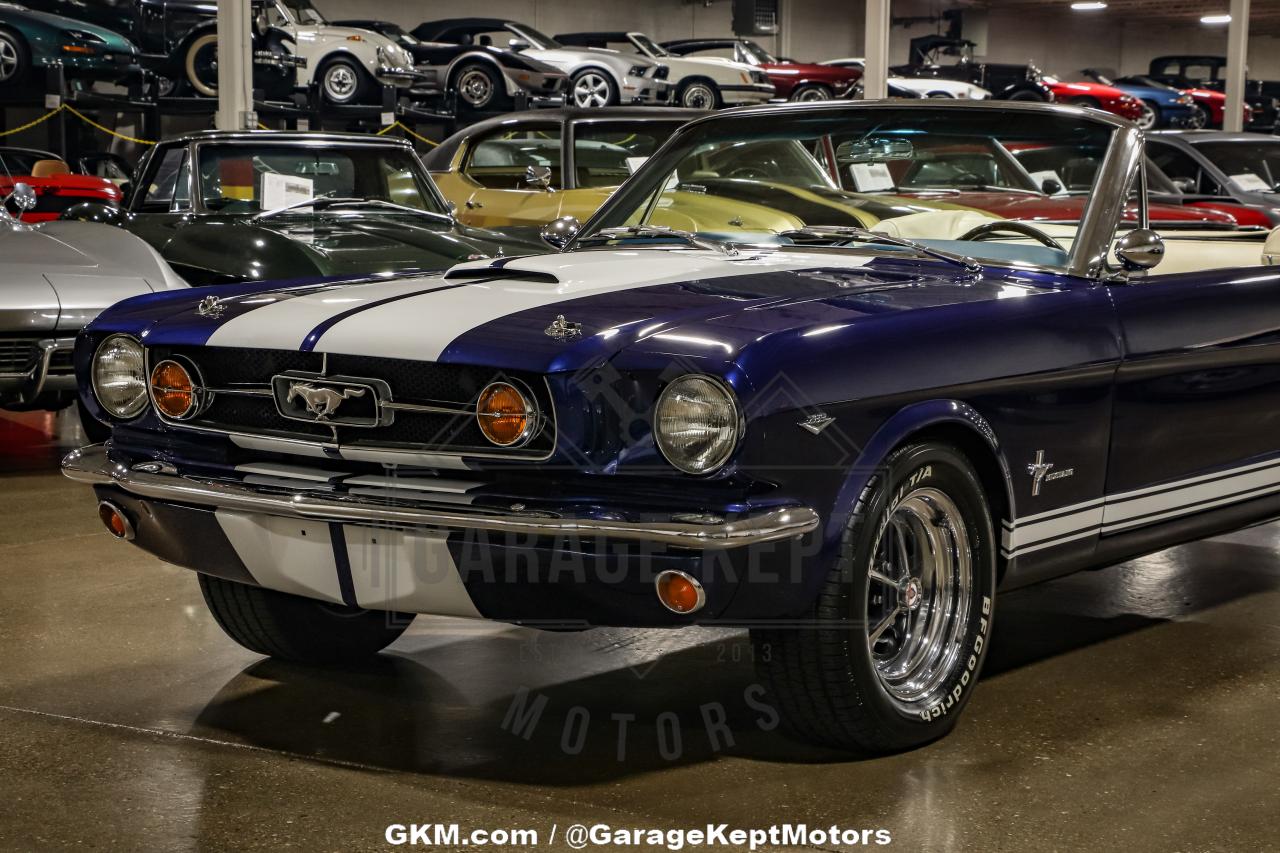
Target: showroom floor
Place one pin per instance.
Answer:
(1127, 709)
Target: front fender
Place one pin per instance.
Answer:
(906, 422)
(233, 254)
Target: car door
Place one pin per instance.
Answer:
(161, 202)
(1188, 172)
(494, 175)
(1196, 416)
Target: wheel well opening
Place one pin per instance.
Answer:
(987, 465)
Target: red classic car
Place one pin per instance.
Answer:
(986, 176)
(56, 187)
(1089, 94)
(1214, 105)
(792, 81)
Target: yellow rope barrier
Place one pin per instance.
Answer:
(32, 124)
(84, 118)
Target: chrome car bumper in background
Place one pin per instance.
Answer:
(399, 77)
(408, 507)
(50, 368)
(641, 90)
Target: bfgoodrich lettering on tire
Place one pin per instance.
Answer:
(901, 626)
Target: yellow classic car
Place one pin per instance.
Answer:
(526, 169)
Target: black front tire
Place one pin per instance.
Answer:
(480, 88)
(834, 683)
(344, 81)
(293, 628)
(15, 59)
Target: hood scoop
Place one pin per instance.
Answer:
(500, 274)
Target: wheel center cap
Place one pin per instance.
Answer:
(911, 594)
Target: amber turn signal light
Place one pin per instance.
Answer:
(679, 592)
(505, 417)
(172, 390)
(117, 523)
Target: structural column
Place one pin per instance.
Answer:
(875, 77)
(1237, 64)
(235, 66)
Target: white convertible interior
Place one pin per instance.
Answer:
(1185, 251)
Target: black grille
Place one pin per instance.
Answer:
(18, 355)
(413, 382)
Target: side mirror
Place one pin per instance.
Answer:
(1050, 187)
(518, 45)
(538, 176)
(1185, 185)
(558, 232)
(1139, 250)
(23, 197)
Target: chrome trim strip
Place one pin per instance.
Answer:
(93, 466)
(1103, 214)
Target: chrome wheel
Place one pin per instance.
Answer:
(340, 82)
(592, 89)
(475, 86)
(698, 96)
(202, 65)
(1149, 117)
(920, 586)
(812, 93)
(1199, 118)
(9, 60)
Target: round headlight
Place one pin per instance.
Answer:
(173, 391)
(505, 415)
(697, 424)
(120, 376)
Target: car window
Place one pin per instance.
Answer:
(168, 185)
(1252, 166)
(251, 178)
(1200, 72)
(726, 52)
(605, 155)
(499, 160)
(1182, 169)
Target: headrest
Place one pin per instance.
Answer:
(49, 168)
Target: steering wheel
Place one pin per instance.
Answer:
(749, 173)
(1009, 226)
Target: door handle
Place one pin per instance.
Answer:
(471, 205)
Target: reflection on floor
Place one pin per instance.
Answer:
(1123, 709)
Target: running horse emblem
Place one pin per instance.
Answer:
(322, 402)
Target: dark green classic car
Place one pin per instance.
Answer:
(227, 207)
(31, 40)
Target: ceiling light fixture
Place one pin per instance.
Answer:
(1216, 19)
(1088, 6)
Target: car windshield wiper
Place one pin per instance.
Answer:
(316, 202)
(390, 205)
(640, 232)
(829, 235)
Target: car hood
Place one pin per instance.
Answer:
(1033, 208)
(340, 244)
(113, 39)
(505, 312)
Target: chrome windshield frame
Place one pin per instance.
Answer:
(1098, 222)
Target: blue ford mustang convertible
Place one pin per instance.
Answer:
(847, 441)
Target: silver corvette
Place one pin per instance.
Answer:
(54, 279)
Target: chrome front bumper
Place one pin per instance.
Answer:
(27, 386)
(160, 481)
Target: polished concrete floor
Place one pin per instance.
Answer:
(1131, 709)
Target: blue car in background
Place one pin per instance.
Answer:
(1163, 106)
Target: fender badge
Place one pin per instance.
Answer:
(211, 307)
(1039, 471)
(562, 330)
(816, 422)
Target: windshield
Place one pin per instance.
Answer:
(15, 161)
(930, 175)
(756, 54)
(256, 178)
(1252, 166)
(649, 46)
(304, 13)
(533, 37)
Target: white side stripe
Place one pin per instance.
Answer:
(1139, 507)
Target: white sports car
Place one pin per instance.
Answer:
(701, 83)
(925, 87)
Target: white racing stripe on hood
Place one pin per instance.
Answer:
(424, 326)
(284, 324)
